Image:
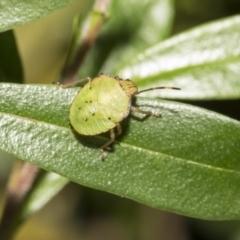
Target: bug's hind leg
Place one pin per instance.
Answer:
(135, 109)
(109, 142)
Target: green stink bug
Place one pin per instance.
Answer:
(102, 104)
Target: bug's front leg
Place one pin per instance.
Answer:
(135, 109)
(119, 129)
(110, 141)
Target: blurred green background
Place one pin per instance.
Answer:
(82, 213)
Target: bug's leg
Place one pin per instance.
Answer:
(110, 141)
(90, 81)
(135, 109)
(72, 83)
(119, 129)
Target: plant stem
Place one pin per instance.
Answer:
(89, 35)
(19, 185)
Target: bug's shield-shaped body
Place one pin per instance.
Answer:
(101, 104)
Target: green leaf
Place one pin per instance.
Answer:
(204, 62)
(186, 162)
(18, 12)
(47, 186)
(132, 26)
(10, 63)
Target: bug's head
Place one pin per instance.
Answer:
(129, 87)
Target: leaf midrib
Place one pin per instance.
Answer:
(130, 145)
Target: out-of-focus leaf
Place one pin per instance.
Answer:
(47, 186)
(132, 27)
(18, 12)
(186, 162)
(10, 63)
(204, 62)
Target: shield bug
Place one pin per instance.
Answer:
(102, 104)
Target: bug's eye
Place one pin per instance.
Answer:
(109, 118)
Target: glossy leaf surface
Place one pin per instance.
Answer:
(204, 62)
(186, 162)
(14, 13)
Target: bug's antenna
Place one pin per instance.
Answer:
(164, 87)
